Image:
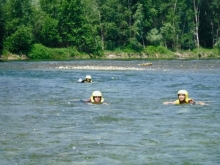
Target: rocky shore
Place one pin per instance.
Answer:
(14, 57)
(124, 55)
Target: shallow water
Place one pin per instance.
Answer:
(42, 120)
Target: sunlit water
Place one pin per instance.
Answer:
(42, 120)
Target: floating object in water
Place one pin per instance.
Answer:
(146, 64)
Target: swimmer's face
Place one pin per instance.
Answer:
(88, 80)
(97, 99)
(181, 97)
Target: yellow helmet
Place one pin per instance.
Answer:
(88, 77)
(96, 93)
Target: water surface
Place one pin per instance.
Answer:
(42, 120)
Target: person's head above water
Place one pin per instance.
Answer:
(183, 97)
(96, 97)
(88, 78)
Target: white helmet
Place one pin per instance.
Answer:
(96, 93)
(88, 77)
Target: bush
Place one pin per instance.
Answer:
(38, 51)
(217, 45)
(154, 51)
(133, 45)
(203, 52)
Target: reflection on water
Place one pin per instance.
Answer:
(42, 121)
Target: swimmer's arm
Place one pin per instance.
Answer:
(169, 102)
(87, 101)
(105, 103)
(192, 102)
(200, 103)
(197, 102)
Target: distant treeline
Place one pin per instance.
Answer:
(93, 26)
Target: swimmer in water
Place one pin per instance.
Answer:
(88, 79)
(96, 98)
(183, 98)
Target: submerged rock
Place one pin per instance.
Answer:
(146, 64)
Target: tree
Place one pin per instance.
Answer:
(50, 7)
(1, 26)
(93, 22)
(209, 23)
(49, 33)
(138, 26)
(71, 22)
(115, 17)
(196, 7)
(20, 41)
(18, 16)
(94, 19)
(186, 25)
(154, 37)
(173, 18)
(167, 32)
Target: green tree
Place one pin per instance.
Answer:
(115, 17)
(18, 12)
(20, 41)
(196, 9)
(18, 36)
(70, 23)
(209, 26)
(173, 18)
(138, 26)
(1, 26)
(154, 37)
(50, 7)
(215, 21)
(92, 26)
(49, 32)
(167, 32)
(94, 15)
(186, 26)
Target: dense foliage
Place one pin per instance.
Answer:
(93, 26)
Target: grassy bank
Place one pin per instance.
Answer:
(39, 52)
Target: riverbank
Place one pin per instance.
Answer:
(13, 57)
(126, 55)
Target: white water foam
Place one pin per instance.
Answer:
(91, 67)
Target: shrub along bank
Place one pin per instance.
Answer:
(38, 52)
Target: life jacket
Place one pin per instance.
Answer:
(186, 100)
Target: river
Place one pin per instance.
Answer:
(42, 120)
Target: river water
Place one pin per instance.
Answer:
(42, 120)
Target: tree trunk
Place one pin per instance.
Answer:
(175, 35)
(102, 33)
(196, 12)
(142, 38)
